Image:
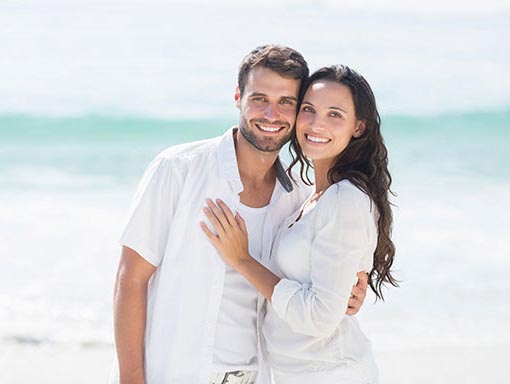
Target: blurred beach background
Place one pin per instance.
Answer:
(91, 91)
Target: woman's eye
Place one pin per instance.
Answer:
(307, 109)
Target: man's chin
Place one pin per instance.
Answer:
(263, 142)
(268, 144)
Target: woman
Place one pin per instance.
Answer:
(342, 228)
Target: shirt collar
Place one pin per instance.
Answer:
(227, 164)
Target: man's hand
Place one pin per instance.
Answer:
(358, 294)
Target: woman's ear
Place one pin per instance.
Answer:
(360, 128)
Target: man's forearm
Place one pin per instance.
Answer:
(130, 309)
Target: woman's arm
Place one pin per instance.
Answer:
(293, 298)
(344, 241)
(232, 244)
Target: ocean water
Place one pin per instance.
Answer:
(66, 184)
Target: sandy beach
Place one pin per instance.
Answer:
(23, 364)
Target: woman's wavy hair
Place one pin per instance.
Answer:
(364, 162)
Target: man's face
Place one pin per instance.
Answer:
(268, 109)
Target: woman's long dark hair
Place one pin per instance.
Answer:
(364, 162)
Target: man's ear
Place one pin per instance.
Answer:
(237, 97)
(360, 128)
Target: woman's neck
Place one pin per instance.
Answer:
(321, 169)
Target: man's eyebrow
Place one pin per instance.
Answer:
(290, 98)
(257, 94)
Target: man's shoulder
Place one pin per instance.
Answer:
(179, 159)
(191, 150)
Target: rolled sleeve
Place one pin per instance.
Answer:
(283, 293)
(343, 245)
(151, 212)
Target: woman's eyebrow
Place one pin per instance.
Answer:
(338, 109)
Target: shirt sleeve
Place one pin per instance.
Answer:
(343, 245)
(151, 212)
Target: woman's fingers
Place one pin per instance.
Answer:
(362, 280)
(353, 306)
(213, 219)
(358, 292)
(211, 236)
(218, 213)
(226, 211)
(223, 220)
(242, 224)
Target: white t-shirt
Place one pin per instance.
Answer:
(305, 329)
(235, 343)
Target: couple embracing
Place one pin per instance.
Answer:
(235, 269)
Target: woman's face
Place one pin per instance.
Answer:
(327, 121)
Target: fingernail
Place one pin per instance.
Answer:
(219, 201)
(206, 211)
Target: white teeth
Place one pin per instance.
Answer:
(269, 129)
(317, 139)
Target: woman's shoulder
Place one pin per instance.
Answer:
(344, 199)
(345, 191)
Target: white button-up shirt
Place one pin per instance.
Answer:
(185, 291)
(306, 329)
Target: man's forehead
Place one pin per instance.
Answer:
(262, 80)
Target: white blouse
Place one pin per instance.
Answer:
(305, 329)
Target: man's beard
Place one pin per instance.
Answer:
(263, 144)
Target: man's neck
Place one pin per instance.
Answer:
(254, 166)
(258, 172)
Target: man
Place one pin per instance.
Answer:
(181, 316)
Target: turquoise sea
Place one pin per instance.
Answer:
(110, 151)
(66, 183)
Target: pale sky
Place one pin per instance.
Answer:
(378, 5)
(90, 56)
(365, 5)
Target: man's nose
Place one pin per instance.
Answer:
(271, 112)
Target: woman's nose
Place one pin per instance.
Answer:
(317, 124)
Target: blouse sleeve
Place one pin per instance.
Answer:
(152, 210)
(343, 245)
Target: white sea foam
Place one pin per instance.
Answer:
(59, 255)
(57, 266)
